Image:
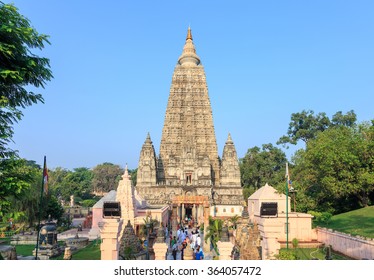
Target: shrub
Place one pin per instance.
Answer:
(295, 242)
(286, 255)
(320, 218)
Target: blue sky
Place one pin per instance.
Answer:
(264, 60)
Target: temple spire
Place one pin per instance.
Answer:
(229, 140)
(189, 34)
(148, 139)
(189, 56)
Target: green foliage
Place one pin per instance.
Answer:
(286, 255)
(88, 202)
(261, 166)
(213, 232)
(53, 208)
(90, 252)
(19, 69)
(16, 179)
(133, 173)
(295, 242)
(248, 191)
(64, 183)
(336, 169)
(106, 177)
(307, 254)
(320, 218)
(152, 223)
(306, 125)
(234, 220)
(128, 254)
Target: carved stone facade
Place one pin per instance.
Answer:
(188, 163)
(126, 196)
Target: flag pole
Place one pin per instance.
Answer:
(40, 210)
(288, 179)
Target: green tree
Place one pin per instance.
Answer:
(336, 168)
(106, 177)
(261, 166)
(20, 68)
(64, 183)
(133, 173)
(213, 232)
(53, 208)
(15, 181)
(304, 126)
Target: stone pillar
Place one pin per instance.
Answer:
(159, 247)
(174, 221)
(206, 247)
(160, 250)
(200, 214)
(224, 249)
(194, 212)
(183, 212)
(110, 234)
(67, 253)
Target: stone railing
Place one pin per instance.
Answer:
(356, 247)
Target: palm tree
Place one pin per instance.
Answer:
(234, 221)
(213, 232)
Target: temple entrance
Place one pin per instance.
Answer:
(189, 211)
(197, 206)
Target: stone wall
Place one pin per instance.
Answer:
(351, 246)
(23, 239)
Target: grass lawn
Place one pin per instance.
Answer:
(91, 252)
(310, 253)
(356, 222)
(25, 250)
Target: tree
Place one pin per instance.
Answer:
(305, 125)
(53, 208)
(213, 232)
(348, 120)
(133, 173)
(261, 166)
(336, 170)
(106, 177)
(19, 69)
(64, 183)
(15, 181)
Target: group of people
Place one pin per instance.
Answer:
(185, 238)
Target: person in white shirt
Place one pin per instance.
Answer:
(198, 240)
(193, 240)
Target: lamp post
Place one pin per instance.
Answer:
(293, 193)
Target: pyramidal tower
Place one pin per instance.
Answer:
(188, 163)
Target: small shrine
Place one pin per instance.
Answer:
(48, 245)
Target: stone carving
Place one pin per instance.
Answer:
(130, 244)
(126, 196)
(147, 164)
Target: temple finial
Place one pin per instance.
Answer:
(148, 139)
(189, 34)
(229, 139)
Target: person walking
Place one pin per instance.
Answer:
(198, 240)
(174, 250)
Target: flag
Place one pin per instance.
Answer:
(45, 177)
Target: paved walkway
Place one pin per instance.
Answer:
(207, 255)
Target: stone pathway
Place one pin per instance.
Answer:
(207, 255)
